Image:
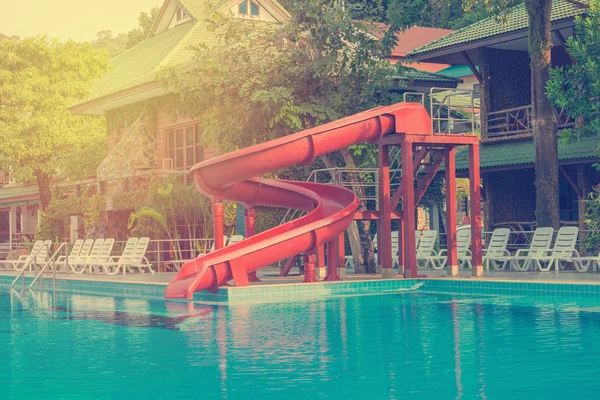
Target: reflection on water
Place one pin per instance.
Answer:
(404, 345)
(125, 318)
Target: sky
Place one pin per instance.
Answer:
(70, 19)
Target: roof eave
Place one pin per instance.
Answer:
(434, 55)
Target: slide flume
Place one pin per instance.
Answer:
(330, 209)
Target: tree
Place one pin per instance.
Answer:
(543, 118)
(145, 24)
(39, 78)
(267, 82)
(577, 87)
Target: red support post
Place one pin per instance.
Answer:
(401, 247)
(341, 256)
(384, 236)
(452, 262)
(218, 213)
(309, 268)
(249, 221)
(408, 210)
(321, 261)
(474, 183)
(332, 260)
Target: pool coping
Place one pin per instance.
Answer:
(295, 291)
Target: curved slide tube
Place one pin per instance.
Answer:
(330, 208)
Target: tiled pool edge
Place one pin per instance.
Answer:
(289, 291)
(274, 292)
(504, 287)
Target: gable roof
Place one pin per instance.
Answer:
(516, 20)
(139, 66)
(457, 71)
(500, 154)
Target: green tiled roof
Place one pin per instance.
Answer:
(507, 153)
(515, 20)
(141, 64)
(8, 193)
(412, 74)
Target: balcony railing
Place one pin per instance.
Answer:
(516, 122)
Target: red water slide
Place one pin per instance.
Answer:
(330, 209)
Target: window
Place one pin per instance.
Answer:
(243, 8)
(568, 201)
(181, 15)
(184, 146)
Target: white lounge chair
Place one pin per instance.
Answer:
(80, 266)
(564, 250)
(26, 258)
(61, 261)
(541, 242)
(463, 241)
(103, 256)
(234, 239)
(496, 252)
(426, 253)
(138, 259)
(114, 264)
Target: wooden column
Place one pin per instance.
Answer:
(452, 262)
(408, 210)
(474, 183)
(384, 236)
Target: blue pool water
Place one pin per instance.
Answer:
(411, 345)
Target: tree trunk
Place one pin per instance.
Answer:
(43, 183)
(543, 118)
(367, 253)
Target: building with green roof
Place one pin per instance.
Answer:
(161, 144)
(496, 52)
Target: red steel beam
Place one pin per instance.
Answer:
(332, 260)
(452, 254)
(385, 222)
(218, 214)
(419, 156)
(249, 221)
(475, 182)
(408, 208)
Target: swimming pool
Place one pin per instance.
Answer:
(415, 344)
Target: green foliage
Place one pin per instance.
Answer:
(577, 86)
(592, 221)
(169, 209)
(267, 82)
(128, 200)
(54, 220)
(452, 14)
(39, 78)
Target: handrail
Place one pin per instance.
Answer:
(28, 262)
(50, 261)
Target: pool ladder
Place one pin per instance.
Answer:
(33, 261)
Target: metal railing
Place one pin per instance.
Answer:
(452, 111)
(517, 121)
(28, 262)
(52, 261)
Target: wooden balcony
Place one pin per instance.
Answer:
(515, 123)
